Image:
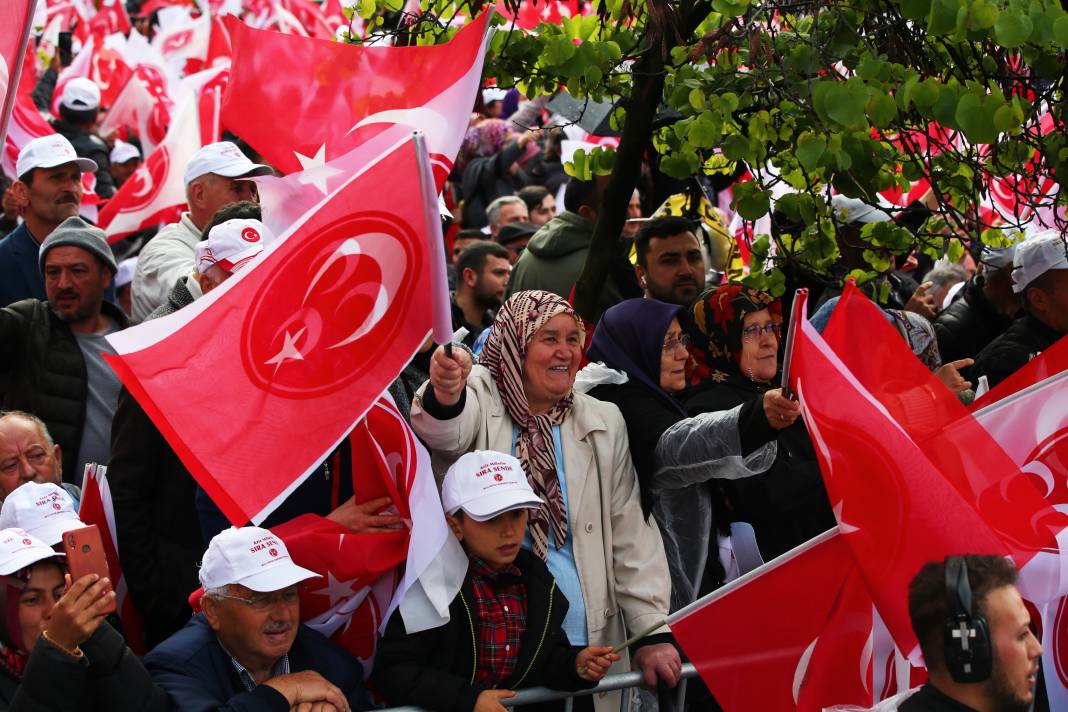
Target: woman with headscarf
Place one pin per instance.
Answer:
(490, 165)
(641, 352)
(607, 559)
(734, 342)
(56, 651)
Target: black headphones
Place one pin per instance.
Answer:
(967, 636)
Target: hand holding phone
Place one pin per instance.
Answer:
(85, 555)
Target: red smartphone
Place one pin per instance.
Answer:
(85, 555)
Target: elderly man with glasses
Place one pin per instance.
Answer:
(247, 650)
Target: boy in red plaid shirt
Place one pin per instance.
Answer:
(505, 626)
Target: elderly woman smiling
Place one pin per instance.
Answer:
(607, 559)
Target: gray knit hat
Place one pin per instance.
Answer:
(78, 233)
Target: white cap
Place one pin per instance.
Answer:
(222, 158)
(124, 275)
(48, 152)
(252, 557)
(854, 210)
(42, 509)
(492, 94)
(19, 549)
(123, 152)
(998, 258)
(1037, 255)
(80, 94)
(484, 484)
(231, 245)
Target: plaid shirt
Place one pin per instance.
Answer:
(281, 667)
(501, 605)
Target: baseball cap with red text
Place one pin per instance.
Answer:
(484, 484)
(43, 509)
(48, 152)
(231, 245)
(222, 158)
(252, 557)
(19, 549)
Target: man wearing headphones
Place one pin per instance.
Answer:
(975, 635)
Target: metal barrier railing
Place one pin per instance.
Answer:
(621, 681)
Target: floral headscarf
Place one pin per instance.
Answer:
(716, 329)
(483, 139)
(504, 353)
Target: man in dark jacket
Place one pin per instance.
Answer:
(79, 107)
(48, 191)
(1040, 277)
(248, 650)
(51, 363)
(981, 312)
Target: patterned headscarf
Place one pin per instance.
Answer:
(483, 139)
(716, 329)
(504, 353)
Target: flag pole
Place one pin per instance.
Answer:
(800, 303)
(439, 282)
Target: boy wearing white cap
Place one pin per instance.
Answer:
(214, 178)
(248, 649)
(1040, 278)
(505, 627)
(79, 107)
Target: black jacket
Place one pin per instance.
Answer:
(488, 178)
(967, 325)
(89, 145)
(1022, 341)
(787, 505)
(199, 676)
(108, 677)
(42, 371)
(435, 669)
(930, 699)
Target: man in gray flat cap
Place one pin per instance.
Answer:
(51, 363)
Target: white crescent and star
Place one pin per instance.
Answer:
(288, 352)
(336, 589)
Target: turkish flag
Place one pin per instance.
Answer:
(96, 508)
(110, 73)
(770, 651)
(294, 349)
(895, 509)
(155, 193)
(110, 18)
(335, 96)
(26, 122)
(13, 40)
(138, 108)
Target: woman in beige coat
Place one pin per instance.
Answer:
(608, 560)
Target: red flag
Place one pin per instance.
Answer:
(110, 18)
(895, 509)
(13, 40)
(155, 193)
(138, 108)
(26, 122)
(96, 508)
(771, 651)
(335, 96)
(301, 344)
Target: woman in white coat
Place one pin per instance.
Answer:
(607, 558)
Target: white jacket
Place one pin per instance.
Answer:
(166, 258)
(620, 555)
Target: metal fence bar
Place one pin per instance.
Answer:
(620, 681)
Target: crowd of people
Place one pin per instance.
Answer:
(599, 475)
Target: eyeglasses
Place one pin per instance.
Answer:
(672, 344)
(35, 456)
(755, 331)
(263, 601)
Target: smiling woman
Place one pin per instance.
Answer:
(574, 452)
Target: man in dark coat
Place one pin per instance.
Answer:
(51, 363)
(1040, 277)
(79, 107)
(248, 649)
(48, 191)
(982, 310)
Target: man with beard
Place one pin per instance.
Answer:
(482, 272)
(51, 363)
(48, 190)
(248, 649)
(957, 597)
(671, 267)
